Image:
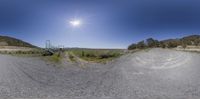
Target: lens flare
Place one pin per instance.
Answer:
(75, 23)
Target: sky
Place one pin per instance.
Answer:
(103, 23)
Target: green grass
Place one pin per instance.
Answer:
(97, 55)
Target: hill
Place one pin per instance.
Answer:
(169, 43)
(10, 41)
(191, 40)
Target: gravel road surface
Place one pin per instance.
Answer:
(149, 74)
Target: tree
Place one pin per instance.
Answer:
(173, 44)
(152, 43)
(141, 45)
(196, 42)
(162, 44)
(132, 46)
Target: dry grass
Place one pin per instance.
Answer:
(96, 55)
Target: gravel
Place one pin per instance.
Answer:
(148, 74)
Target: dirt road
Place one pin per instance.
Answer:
(152, 74)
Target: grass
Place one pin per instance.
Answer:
(35, 52)
(91, 55)
(96, 55)
(55, 58)
(71, 57)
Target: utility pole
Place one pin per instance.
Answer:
(48, 44)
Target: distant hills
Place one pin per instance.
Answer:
(148, 43)
(10, 41)
(169, 43)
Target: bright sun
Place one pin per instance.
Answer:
(75, 23)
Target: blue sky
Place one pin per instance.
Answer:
(105, 23)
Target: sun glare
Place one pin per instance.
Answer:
(75, 23)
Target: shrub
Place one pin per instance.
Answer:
(104, 56)
(82, 54)
(132, 46)
(90, 55)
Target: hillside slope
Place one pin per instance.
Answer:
(193, 40)
(10, 41)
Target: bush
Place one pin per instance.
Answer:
(132, 46)
(102, 56)
(82, 54)
(96, 55)
(90, 55)
(56, 57)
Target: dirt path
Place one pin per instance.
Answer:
(153, 74)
